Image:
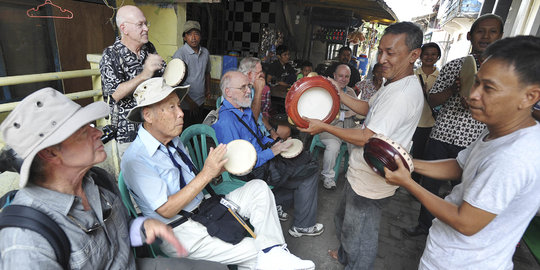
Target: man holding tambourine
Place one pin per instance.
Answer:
(394, 111)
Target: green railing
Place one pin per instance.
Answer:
(94, 93)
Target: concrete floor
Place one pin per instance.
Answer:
(396, 250)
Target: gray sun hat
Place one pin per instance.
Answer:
(190, 25)
(150, 92)
(42, 119)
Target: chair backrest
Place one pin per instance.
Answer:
(126, 198)
(218, 101)
(195, 139)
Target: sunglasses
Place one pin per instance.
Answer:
(106, 215)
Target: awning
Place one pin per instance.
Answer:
(376, 11)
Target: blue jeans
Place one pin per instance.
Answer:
(357, 228)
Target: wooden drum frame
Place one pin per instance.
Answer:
(175, 72)
(306, 84)
(379, 152)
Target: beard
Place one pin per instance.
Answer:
(244, 102)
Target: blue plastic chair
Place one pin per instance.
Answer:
(195, 139)
(343, 154)
(154, 249)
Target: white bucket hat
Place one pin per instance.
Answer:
(42, 119)
(150, 92)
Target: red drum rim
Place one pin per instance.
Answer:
(298, 89)
(379, 152)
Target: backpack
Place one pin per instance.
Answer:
(26, 217)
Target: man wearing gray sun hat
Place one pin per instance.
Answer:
(163, 181)
(59, 148)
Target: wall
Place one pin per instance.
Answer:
(166, 24)
(78, 36)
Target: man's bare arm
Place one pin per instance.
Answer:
(444, 169)
(465, 218)
(436, 99)
(356, 105)
(356, 136)
(152, 63)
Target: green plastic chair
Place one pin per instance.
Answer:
(154, 249)
(218, 102)
(343, 154)
(195, 139)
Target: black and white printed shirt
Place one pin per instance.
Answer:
(454, 124)
(119, 64)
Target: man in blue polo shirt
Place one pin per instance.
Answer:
(297, 176)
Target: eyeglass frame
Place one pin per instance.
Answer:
(243, 88)
(140, 25)
(106, 215)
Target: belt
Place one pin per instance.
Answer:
(183, 219)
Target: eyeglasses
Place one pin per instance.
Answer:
(106, 215)
(140, 25)
(244, 88)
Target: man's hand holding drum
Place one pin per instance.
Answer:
(281, 146)
(213, 166)
(316, 126)
(153, 63)
(399, 177)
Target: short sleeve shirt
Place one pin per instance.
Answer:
(454, 124)
(366, 89)
(427, 119)
(500, 176)
(198, 65)
(118, 65)
(394, 111)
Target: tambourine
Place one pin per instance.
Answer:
(294, 150)
(175, 72)
(312, 97)
(242, 157)
(379, 152)
(466, 75)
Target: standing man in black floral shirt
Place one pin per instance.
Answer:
(454, 128)
(131, 60)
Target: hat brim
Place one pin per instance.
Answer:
(135, 114)
(80, 118)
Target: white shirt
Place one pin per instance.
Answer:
(394, 111)
(502, 177)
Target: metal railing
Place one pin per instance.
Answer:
(94, 93)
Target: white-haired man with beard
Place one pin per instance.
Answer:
(296, 178)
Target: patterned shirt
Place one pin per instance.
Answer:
(119, 64)
(366, 89)
(266, 101)
(454, 124)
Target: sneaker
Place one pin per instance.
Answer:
(279, 258)
(329, 183)
(314, 230)
(283, 216)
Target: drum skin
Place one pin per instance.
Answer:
(175, 72)
(299, 88)
(379, 154)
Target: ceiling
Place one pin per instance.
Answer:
(367, 10)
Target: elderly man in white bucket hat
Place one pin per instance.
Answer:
(163, 182)
(53, 135)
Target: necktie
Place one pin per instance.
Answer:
(182, 181)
